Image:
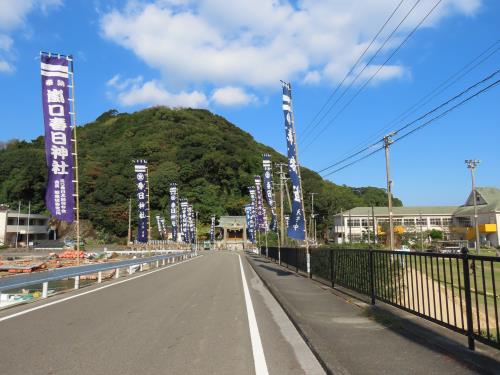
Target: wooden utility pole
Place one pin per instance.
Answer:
(387, 142)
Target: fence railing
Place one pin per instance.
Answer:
(457, 291)
(44, 277)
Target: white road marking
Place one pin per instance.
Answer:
(90, 291)
(258, 351)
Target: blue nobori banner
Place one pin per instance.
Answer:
(212, 230)
(59, 196)
(141, 182)
(190, 213)
(253, 205)
(268, 189)
(250, 223)
(296, 226)
(260, 211)
(173, 210)
(184, 220)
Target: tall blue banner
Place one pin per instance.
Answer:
(250, 223)
(296, 226)
(141, 182)
(268, 189)
(173, 210)
(253, 205)
(260, 211)
(212, 230)
(190, 213)
(58, 148)
(184, 221)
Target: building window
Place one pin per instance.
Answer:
(11, 221)
(409, 222)
(447, 221)
(366, 222)
(436, 221)
(353, 222)
(382, 221)
(422, 221)
(397, 221)
(463, 221)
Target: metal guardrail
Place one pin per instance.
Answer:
(21, 281)
(457, 291)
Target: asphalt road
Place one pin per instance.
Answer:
(192, 318)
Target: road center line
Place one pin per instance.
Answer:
(258, 351)
(90, 291)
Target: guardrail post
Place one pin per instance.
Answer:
(117, 273)
(157, 263)
(372, 271)
(141, 267)
(163, 262)
(45, 289)
(99, 277)
(468, 299)
(77, 282)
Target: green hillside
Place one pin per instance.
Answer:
(212, 160)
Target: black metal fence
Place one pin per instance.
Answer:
(457, 291)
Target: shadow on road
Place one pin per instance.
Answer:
(277, 271)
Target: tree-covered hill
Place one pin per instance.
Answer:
(212, 161)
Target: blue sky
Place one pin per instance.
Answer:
(229, 57)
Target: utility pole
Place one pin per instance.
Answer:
(375, 227)
(472, 164)
(313, 219)
(349, 223)
(387, 142)
(368, 226)
(421, 234)
(343, 226)
(28, 231)
(18, 215)
(129, 221)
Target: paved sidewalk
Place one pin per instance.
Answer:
(352, 337)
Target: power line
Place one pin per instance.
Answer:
(377, 71)
(464, 101)
(487, 78)
(362, 70)
(352, 69)
(457, 76)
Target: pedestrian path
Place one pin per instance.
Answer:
(352, 337)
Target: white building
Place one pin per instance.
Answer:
(456, 222)
(30, 227)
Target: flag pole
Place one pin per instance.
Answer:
(75, 157)
(308, 254)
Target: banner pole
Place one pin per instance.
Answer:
(149, 211)
(308, 254)
(76, 182)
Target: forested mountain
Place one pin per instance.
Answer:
(212, 161)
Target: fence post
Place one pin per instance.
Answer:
(45, 289)
(468, 299)
(332, 273)
(372, 272)
(297, 259)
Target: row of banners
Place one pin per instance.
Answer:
(57, 79)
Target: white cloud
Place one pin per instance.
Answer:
(5, 67)
(13, 14)
(134, 91)
(232, 96)
(255, 43)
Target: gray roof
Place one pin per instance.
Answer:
(489, 196)
(232, 221)
(401, 211)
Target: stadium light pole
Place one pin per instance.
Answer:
(472, 164)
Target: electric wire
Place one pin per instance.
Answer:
(376, 72)
(306, 128)
(454, 78)
(354, 80)
(435, 118)
(463, 92)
